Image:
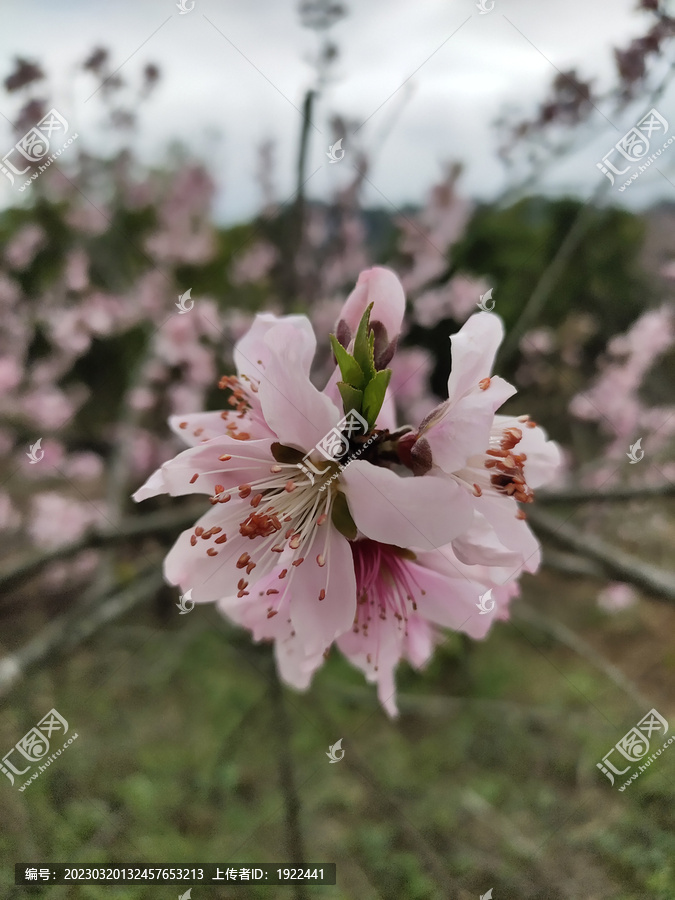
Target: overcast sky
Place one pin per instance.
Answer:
(241, 69)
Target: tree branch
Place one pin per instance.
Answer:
(295, 843)
(74, 627)
(612, 495)
(139, 526)
(656, 581)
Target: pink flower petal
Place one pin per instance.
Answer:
(474, 348)
(420, 513)
(381, 287)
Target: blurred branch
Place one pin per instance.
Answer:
(296, 230)
(71, 629)
(282, 728)
(566, 636)
(613, 495)
(571, 564)
(544, 287)
(614, 561)
(139, 526)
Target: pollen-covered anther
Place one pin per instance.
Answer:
(259, 525)
(477, 490)
(296, 562)
(294, 542)
(321, 560)
(275, 469)
(322, 518)
(484, 384)
(289, 486)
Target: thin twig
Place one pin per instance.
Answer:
(74, 627)
(139, 526)
(616, 563)
(295, 843)
(612, 495)
(571, 564)
(544, 287)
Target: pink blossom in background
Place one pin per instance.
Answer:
(9, 291)
(11, 373)
(51, 408)
(21, 250)
(613, 399)
(53, 455)
(254, 263)
(428, 236)
(76, 274)
(88, 219)
(10, 517)
(84, 466)
(184, 235)
(538, 341)
(616, 597)
(55, 519)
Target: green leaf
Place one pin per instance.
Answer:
(351, 371)
(363, 346)
(373, 396)
(284, 454)
(342, 518)
(351, 397)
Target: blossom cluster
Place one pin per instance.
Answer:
(375, 556)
